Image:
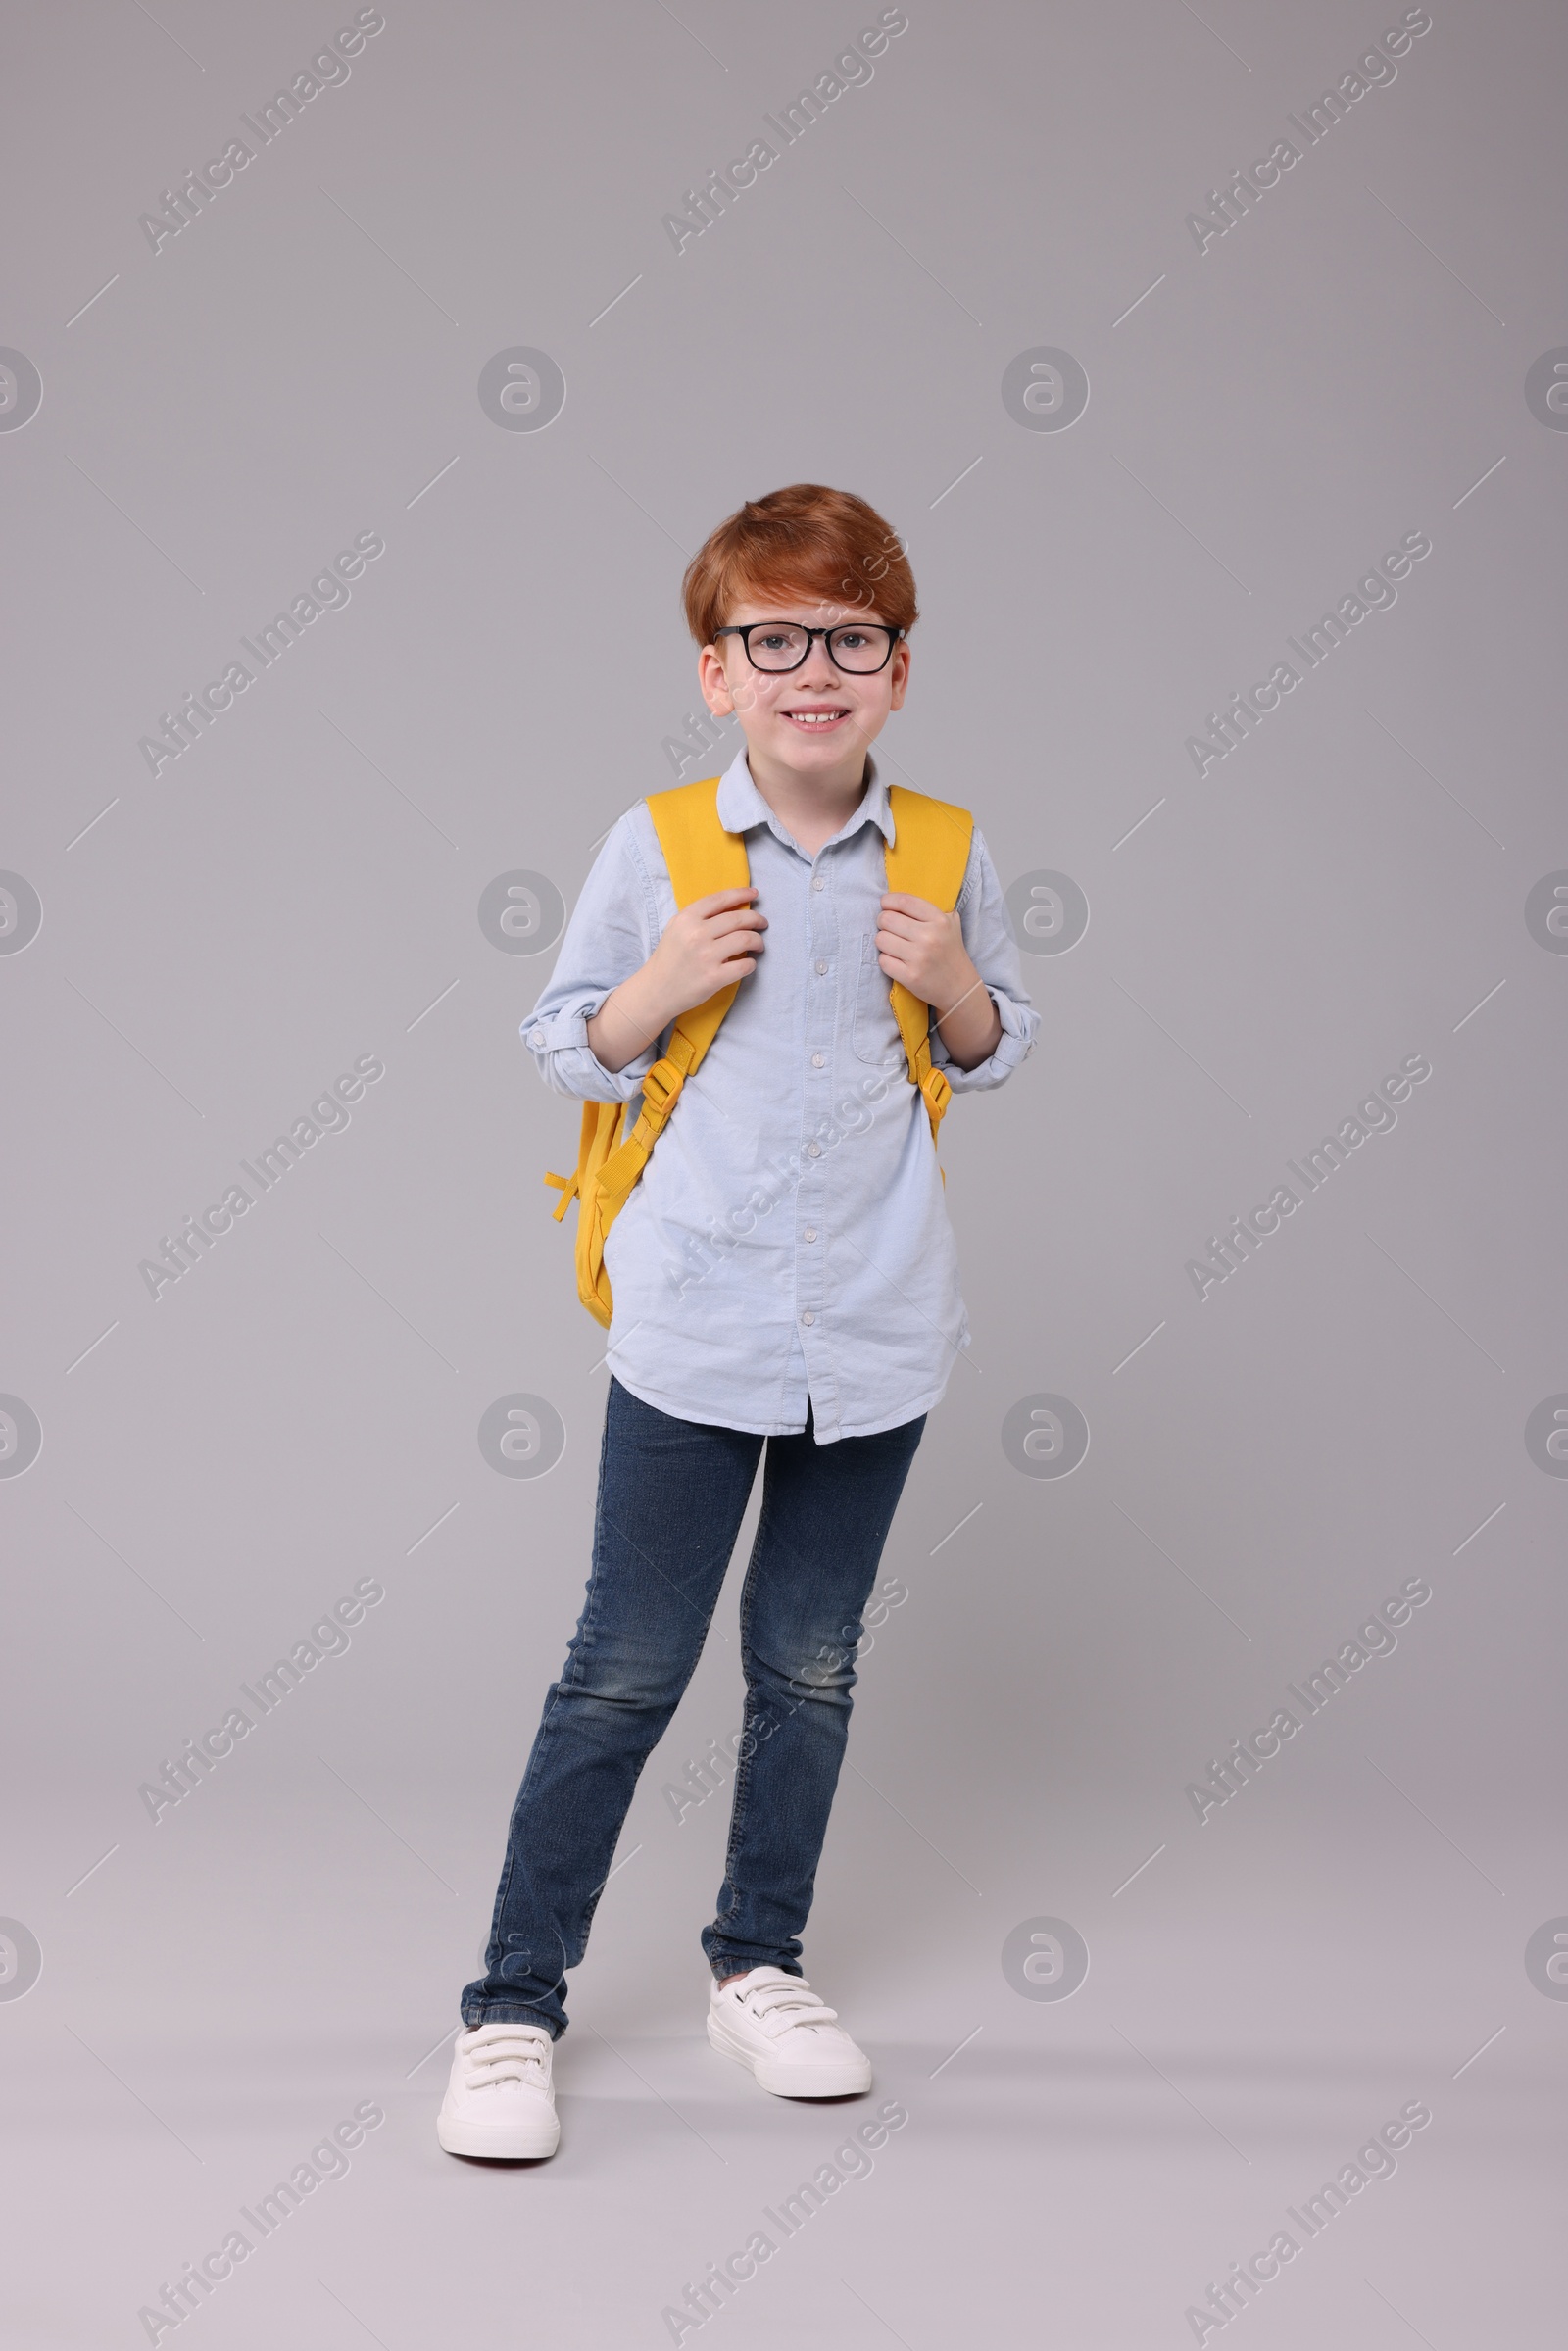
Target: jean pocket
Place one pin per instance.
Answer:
(877, 1035)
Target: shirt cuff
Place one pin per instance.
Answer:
(567, 1062)
(1018, 1025)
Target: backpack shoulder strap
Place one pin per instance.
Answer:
(928, 858)
(702, 856)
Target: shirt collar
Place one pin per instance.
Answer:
(741, 805)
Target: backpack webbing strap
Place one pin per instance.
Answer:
(702, 858)
(928, 859)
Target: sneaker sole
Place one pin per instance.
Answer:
(512, 2144)
(841, 2081)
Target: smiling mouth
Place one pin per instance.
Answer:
(815, 718)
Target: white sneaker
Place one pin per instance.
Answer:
(774, 2024)
(500, 2101)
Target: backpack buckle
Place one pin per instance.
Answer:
(661, 1088)
(938, 1092)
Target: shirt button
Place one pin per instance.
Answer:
(820, 967)
(813, 1151)
(817, 882)
(536, 1035)
(808, 1317)
(817, 1059)
(809, 1233)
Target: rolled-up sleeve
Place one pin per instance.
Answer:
(993, 949)
(613, 931)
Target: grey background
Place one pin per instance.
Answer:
(302, 887)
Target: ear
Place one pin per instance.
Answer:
(714, 684)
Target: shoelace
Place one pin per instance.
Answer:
(515, 2055)
(773, 2001)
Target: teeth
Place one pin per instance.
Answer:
(814, 717)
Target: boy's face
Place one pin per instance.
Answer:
(814, 721)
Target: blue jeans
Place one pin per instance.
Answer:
(671, 1496)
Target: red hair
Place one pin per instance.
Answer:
(826, 545)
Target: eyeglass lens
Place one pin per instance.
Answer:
(857, 646)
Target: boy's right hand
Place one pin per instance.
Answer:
(710, 942)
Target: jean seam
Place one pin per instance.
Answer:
(740, 1799)
(505, 1886)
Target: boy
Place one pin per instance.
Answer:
(783, 1273)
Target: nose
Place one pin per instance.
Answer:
(818, 667)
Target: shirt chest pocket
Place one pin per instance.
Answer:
(875, 1033)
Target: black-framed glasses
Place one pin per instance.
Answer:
(862, 647)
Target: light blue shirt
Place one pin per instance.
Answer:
(788, 1237)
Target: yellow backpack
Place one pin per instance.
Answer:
(927, 859)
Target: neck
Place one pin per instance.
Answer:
(811, 808)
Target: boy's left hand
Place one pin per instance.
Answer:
(920, 946)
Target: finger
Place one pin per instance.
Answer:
(905, 903)
(717, 901)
